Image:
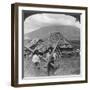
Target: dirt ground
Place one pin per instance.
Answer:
(68, 66)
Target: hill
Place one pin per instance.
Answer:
(69, 32)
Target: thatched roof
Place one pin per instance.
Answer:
(43, 44)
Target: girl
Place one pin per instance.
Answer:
(50, 67)
(36, 59)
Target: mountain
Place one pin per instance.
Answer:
(69, 32)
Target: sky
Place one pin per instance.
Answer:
(39, 20)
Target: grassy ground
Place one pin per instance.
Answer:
(68, 66)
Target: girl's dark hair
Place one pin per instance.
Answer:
(40, 53)
(36, 52)
(50, 48)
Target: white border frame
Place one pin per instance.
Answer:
(55, 78)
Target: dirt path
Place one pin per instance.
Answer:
(68, 66)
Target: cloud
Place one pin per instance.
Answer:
(36, 21)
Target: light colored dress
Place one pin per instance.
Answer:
(54, 55)
(48, 56)
(35, 58)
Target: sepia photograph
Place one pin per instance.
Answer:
(49, 44)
